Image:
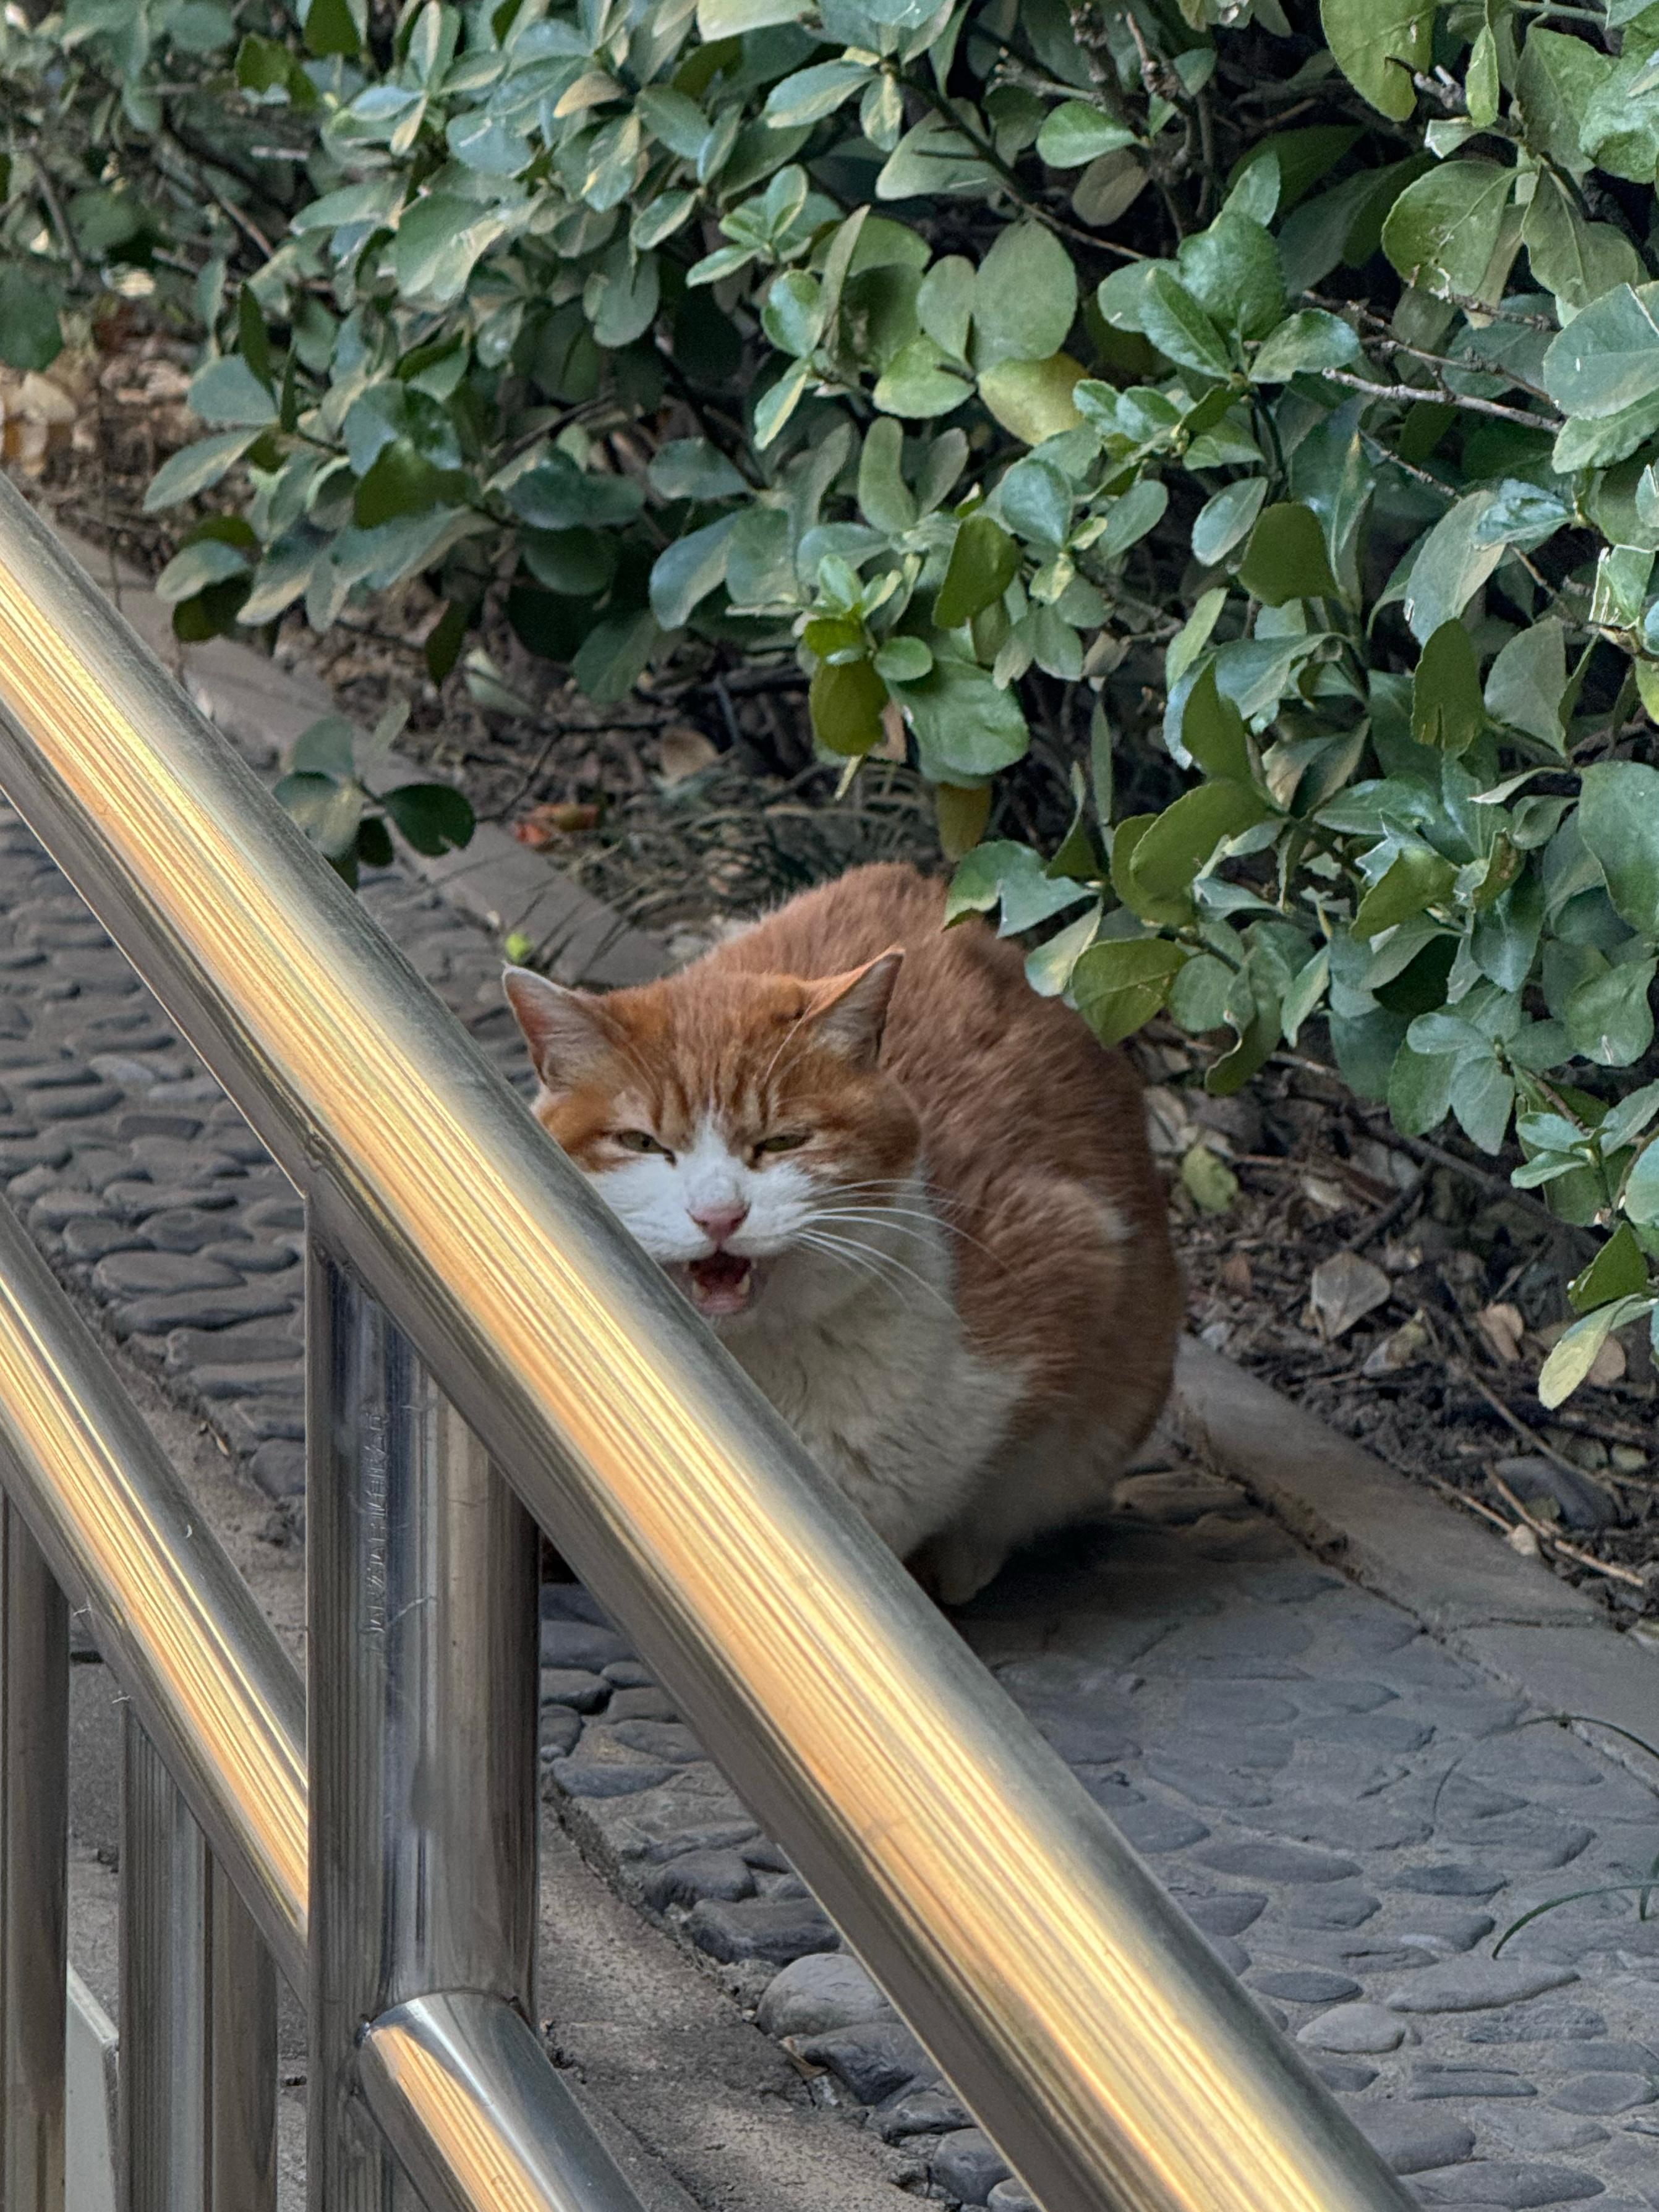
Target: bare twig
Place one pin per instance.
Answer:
(1529, 1437)
(1543, 1531)
(1446, 398)
(1396, 1209)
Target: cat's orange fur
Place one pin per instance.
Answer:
(990, 1166)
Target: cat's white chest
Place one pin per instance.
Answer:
(884, 1390)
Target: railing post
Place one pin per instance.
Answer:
(34, 1871)
(198, 2013)
(421, 1705)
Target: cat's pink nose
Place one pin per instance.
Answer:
(719, 1222)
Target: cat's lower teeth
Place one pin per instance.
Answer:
(721, 1283)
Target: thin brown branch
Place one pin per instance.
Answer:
(1470, 405)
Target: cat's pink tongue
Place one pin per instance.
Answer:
(721, 1283)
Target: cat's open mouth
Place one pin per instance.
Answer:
(721, 1283)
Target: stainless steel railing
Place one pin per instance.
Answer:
(454, 1252)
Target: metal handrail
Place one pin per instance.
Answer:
(1075, 2009)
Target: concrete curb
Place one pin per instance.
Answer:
(1511, 1617)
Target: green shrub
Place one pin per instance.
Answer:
(965, 350)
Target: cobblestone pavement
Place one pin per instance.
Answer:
(1348, 1812)
(1351, 1816)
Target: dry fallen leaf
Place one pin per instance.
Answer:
(1502, 1328)
(895, 743)
(1168, 1125)
(683, 752)
(1234, 1275)
(543, 824)
(1609, 1364)
(1344, 1289)
(1321, 1191)
(1399, 1350)
(1523, 1540)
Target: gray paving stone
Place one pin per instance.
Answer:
(1413, 2143)
(967, 2165)
(560, 1728)
(778, 1928)
(935, 2111)
(92, 1236)
(1448, 1878)
(602, 1767)
(1210, 1708)
(1617, 2057)
(1347, 2076)
(1371, 1824)
(1082, 1737)
(1228, 1913)
(1384, 1730)
(279, 1469)
(1204, 1784)
(694, 1875)
(574, 1686)
(126, 1275)
(1472, 1985)
(640, 1702)
(203, 1308)
(580, 1644)
(1012, 2197)
(669, 1740)
(1275, 1862)
(821, 1991)
(1445, 1928)
(1343, 1694)
(1303, 1986)
(1339, 1905)
(1430, 2079)
(1353, 2028)
(1497, 2182)
(1152, 1828)
(872, 2059)
(1519, 2127)
(1605, 2093)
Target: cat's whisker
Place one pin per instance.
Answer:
(879, 1213)
(942, 1201)
(900, 1224)
(882, 1259)
(832, 1248)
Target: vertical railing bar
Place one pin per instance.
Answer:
(34, 1871)
(163, 2012)
(422, 1652)
(241, 2155)
(198, 2071)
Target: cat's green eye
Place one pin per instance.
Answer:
(641, 1141)
(784, 1144)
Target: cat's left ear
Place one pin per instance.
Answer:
(566, 1030)
(849, 1012)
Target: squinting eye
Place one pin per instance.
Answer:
(785, 1144)
(640, 1140)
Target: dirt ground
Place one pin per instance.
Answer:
(1398, 1288)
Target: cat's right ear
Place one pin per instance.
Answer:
(566, 1030)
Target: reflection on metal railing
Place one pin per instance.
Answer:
(1076, 2010)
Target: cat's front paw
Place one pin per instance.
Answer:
(954, 1567)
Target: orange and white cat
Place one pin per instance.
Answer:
(913, 1200)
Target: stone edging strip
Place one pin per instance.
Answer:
(1536, 1634)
